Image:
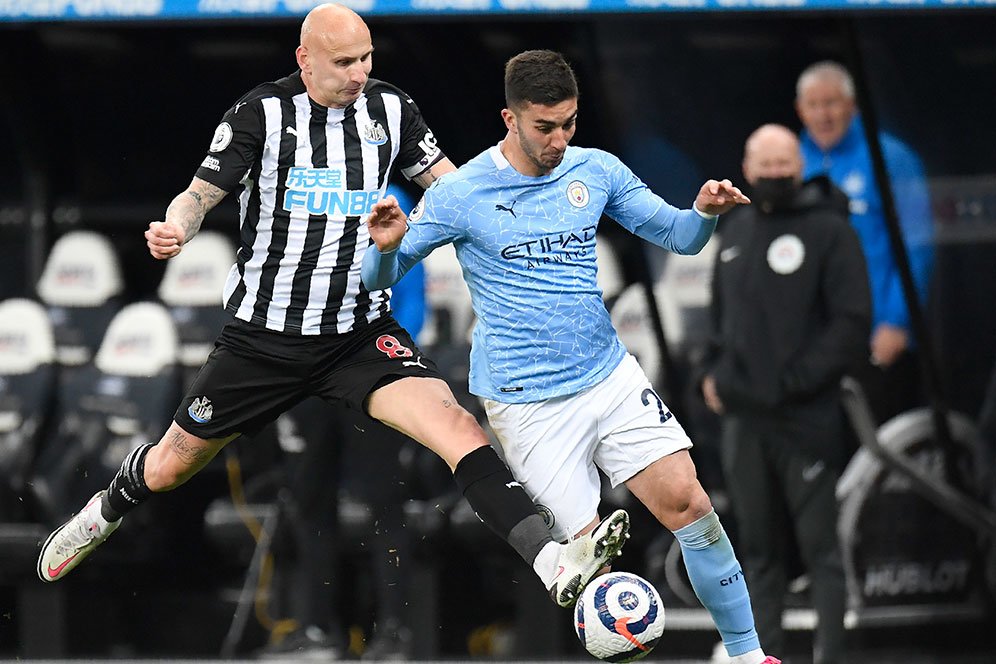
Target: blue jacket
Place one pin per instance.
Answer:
(849, 166)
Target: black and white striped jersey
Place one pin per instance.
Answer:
(309, 175)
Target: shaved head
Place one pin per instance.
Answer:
(329, 23)
(766, 136)
(772, 150)
(335, 55)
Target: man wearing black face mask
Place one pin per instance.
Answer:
(775, 193)
(791, 313)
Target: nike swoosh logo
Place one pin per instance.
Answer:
(52, 573)
(622, 629)
(560, 570)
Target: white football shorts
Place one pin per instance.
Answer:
(553, 447)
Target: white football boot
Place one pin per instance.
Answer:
(74, 540)
(582, 559)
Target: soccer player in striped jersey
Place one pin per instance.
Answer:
(562, 394)
(310, 155)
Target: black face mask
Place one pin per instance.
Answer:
(773, 194)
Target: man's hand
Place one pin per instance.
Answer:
(711, 395)
(387, 224)
(717, 197)
(164, 239)
(887, 344)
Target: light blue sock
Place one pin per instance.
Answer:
(719, 582)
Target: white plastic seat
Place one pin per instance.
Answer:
(684, 294)
(82, 270)
(140, 341)
(610, 274)
(26, 338)
(631, 318)
(196, 276)
(81, 285)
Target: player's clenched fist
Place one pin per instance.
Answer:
(164, 239)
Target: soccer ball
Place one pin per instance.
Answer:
(619, 617)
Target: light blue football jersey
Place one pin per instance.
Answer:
(527, 249)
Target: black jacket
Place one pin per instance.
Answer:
(791, 308)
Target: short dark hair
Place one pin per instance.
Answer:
(539, 77)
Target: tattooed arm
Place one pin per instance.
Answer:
(184, 216)
(436, 171)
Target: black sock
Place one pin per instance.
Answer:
(128, 489)
(500, 502)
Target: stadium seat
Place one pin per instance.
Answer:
(81, 285)
(631, 318)
(683, 294)
(610, 273)
(124, 398)
(191, 289)
(27, 387)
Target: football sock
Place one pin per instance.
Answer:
(128, 489)
(501, 503)
(719, 582)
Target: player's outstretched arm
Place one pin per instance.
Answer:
(184, 216)
(718, 197)
(387, 225)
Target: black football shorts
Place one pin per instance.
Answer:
(255, 374)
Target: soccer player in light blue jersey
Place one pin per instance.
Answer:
(562, 394)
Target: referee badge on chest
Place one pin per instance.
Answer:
(786, 254)
(374, 134)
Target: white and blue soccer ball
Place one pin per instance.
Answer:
(619, 617)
